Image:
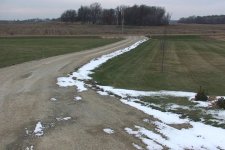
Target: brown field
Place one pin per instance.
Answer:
(18, 29)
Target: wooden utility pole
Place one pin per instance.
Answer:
(163, 49)
(122, 23)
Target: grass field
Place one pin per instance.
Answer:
(190, 62)
(57, 28)
(14, 50)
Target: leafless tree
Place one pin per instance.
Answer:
(96, 10)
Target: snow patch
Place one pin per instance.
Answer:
(69, 81)
(30, 148)
(64, 119)
(146, 120)
(133, 93)
(167, 117)
(137, 146)
(102, 93)
(26, 131)
(77, 98)
(175, 107)
(218, 114)
(200, 136)
(202, 104)
(142, 135)
(38, 131)
(53, 99)
(108, 131)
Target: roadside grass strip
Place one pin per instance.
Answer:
(16, 50)
(198, 135)
(76, 79)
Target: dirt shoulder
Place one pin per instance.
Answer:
(25, 93)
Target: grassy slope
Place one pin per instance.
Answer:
(190, 62)
(21, 49)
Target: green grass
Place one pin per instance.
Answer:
(190, 62)
(15, 50)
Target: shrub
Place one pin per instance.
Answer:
(201, 95)
(221, 103)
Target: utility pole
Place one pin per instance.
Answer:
(122, 23)
(163, 49)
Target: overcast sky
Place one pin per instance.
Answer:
(25, 9)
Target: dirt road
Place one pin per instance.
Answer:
(25, 93)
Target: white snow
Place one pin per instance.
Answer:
(26, 131)
(200, 136)
(133, 93)
(137, 146)
(102, 93)
(202, 103)
(108, 131)
(64, 119)
(77, 98)
(69, 81)
(53, 99)
(175, 107)
(38, 131)
(146, 120)
(218, 114)
(30, 148)
(167, 117)
(151, 145)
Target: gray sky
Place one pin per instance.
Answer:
(25, 9)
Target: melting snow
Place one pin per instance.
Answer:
(77, 98)
(202, 104)
(26, 131)
(219, 114)
(146, 120)
(53, 99)
(63, 119)
(166, 117)
(30, 148)
(175, 107)
(108, 131)
(151, 145)
(38, 131)
(102, 93)
(137, 146)
(133, 93)
(200, 136)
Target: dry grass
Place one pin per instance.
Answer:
(7, 29)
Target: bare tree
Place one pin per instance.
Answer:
(108, 16)
(96, 10)
(69, 16)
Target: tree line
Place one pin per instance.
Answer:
(140, 15)
(215, 19)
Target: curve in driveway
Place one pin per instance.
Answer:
(25, 93)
